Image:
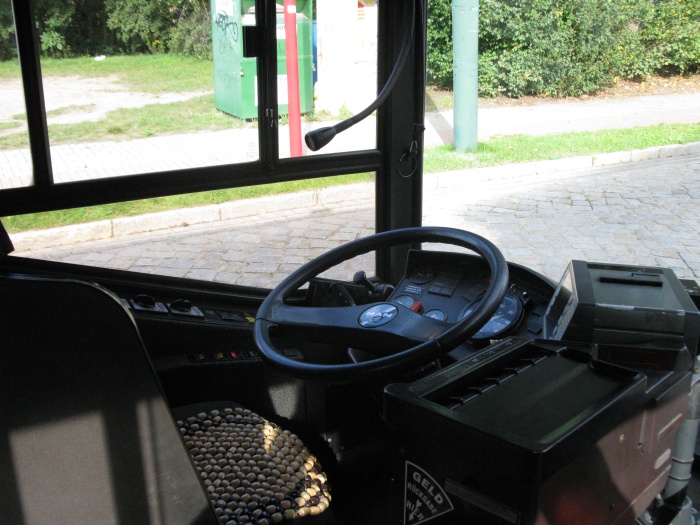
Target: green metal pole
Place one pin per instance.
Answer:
(465, 46)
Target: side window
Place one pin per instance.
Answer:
(15, 161)
(142, 102)
(129, 88)
(133, 88)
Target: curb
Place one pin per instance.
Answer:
(126, 226)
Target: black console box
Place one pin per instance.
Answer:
(532, 432)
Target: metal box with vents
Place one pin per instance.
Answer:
(527, 432)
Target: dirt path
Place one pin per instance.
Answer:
(75, 99)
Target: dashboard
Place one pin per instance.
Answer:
(448, 286)
(209, 325)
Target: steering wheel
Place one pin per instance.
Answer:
(399, 337)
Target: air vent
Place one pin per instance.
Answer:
(479, 382)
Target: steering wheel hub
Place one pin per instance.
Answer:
(378, 315)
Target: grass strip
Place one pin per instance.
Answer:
(39, 221)
(192, 115)
(520, 148)
(4, 126)
(195, 114)
(146, 73)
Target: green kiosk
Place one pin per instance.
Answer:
(235, 76)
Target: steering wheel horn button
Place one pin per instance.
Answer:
(378, 315)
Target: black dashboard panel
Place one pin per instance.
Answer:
(449, 286)
(205, 323)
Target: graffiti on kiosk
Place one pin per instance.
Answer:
(226, 25)
(229, 32)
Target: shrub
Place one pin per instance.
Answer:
(439, 43)
(80, 27)
(554, 47)
(569, 47)
(56, 21)
(191, 34)
(142, 25)
(8, 46)
(73, 28)
(671, 32)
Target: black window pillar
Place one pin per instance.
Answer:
(400, 131)
(28, 51)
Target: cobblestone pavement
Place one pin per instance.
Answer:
(259, 251)
(644, 213)
(638, 213)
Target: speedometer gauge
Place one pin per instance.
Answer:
(507, 317)
(436, 313)
(421, 275)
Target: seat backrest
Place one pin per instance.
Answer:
(85, 433)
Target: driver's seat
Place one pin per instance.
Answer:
(86, 435)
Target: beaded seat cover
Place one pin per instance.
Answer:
(253, 471)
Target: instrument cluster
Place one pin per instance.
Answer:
(449, 286)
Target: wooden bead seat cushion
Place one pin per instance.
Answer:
(254, 471)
